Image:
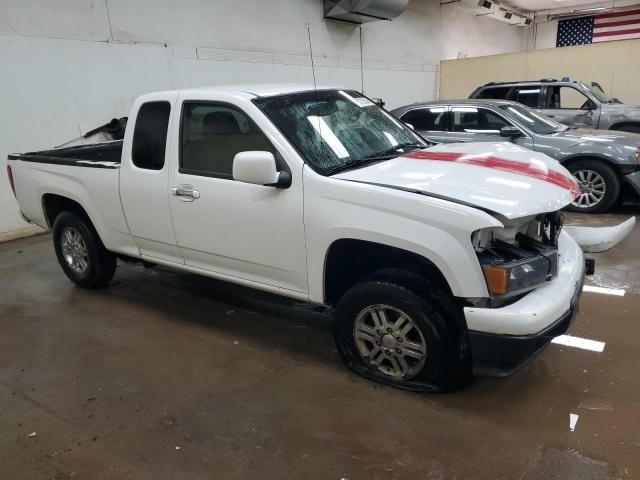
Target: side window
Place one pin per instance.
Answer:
(476, 120)
(211, 135)
(492, 121)
(565, 98)
(528, 96)
(150, 135)
(426, 118)
(494, 92)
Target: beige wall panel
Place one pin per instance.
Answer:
(615, 65)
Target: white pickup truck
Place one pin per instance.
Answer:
(438, 260)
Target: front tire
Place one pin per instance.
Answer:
(402, 331)
(81, 253)
(599, 183)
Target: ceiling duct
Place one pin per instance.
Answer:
(363, 11)
(481, 7)
(506, 16)
(493, 10)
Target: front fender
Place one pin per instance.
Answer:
(437, 230)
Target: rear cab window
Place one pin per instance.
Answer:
(150, 135)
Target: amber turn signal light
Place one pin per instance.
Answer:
(497, 279)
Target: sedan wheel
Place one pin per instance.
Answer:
(599, 184)
(593, 188)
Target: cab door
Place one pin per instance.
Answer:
(240, 231)
(144, 177)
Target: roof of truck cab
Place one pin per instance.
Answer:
(266, 89)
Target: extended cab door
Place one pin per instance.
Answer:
(144, 177)
(566, 104)
(241, 231)
(428, 121)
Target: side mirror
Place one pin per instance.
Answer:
(259, 168)
(410, 126)
(590, 106)
(510, 131)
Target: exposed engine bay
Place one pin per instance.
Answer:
(521, 256)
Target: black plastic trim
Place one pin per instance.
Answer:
(72, 162)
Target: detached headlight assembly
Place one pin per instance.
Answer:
(510, 269)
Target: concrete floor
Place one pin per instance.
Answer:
(173, 376)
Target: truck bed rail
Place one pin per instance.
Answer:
(99, 155)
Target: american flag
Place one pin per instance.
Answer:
(605, 27)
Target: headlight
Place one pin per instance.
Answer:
(510, 269)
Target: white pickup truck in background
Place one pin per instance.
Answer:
(436, 259)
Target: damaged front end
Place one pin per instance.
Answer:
(520, 256)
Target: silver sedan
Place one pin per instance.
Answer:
(606, 164)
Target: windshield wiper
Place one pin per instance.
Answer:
(360, 162)
(378, 157)
(395, 148)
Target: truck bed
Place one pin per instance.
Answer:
(97, 155)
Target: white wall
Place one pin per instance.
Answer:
(466, 35)
(546, 34)
(71, 65)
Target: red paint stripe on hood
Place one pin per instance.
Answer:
(511, 166)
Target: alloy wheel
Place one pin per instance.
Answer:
(74, 250)
(390, 341)
(593, 188)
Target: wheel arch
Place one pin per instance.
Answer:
(610, 162)
(54, 204)
(348, 260)
(627, 123)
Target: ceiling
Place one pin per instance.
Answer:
(545, 5)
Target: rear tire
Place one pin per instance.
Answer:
(81, 253)
(400, 330)
(599, 183)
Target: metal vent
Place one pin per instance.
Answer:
(363, 11)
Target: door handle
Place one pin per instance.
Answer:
(186, 193)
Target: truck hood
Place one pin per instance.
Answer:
(499, 177)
